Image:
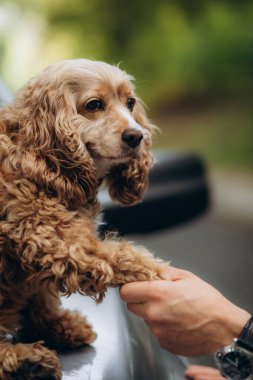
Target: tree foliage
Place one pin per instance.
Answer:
(176, 49)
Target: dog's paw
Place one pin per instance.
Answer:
(29, 362)
(9, 361)
(75, 331)
(70, 331)
(162, 271)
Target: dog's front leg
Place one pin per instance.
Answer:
(81, 263)
(90, 266)
(102, 264)
(63, 253)
(130, 262)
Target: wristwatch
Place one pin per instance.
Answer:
(235, 361)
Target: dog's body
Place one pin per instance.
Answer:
(74, 126)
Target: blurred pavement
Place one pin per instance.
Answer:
(232, 194)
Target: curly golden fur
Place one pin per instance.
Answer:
(75, 125)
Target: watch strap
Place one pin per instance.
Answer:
(245, 338)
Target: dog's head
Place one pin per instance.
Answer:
(82, 123)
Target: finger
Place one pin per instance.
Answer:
(205, 377)
(144, 291)
(195, 370)
(136, 292)
(173, 274)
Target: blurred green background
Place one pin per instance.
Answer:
(192, 60)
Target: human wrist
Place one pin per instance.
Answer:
(235, 360)
(233, 321)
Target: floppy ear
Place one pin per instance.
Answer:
(50, 146)
(128, 182)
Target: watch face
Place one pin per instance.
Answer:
(236, 365)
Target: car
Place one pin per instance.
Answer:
(178, 192)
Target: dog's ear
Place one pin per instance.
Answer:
(50, 146)
(128, 182)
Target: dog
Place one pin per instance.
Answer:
(76, 125)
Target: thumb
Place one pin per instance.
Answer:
(173, 274)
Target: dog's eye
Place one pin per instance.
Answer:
(94, 105)
(131, 103)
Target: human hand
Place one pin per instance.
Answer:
(199, 372)
(187, 315)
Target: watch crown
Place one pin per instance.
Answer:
(219, 355)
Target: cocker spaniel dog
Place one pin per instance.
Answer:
(74, 126)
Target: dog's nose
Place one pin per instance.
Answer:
(132, 137)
